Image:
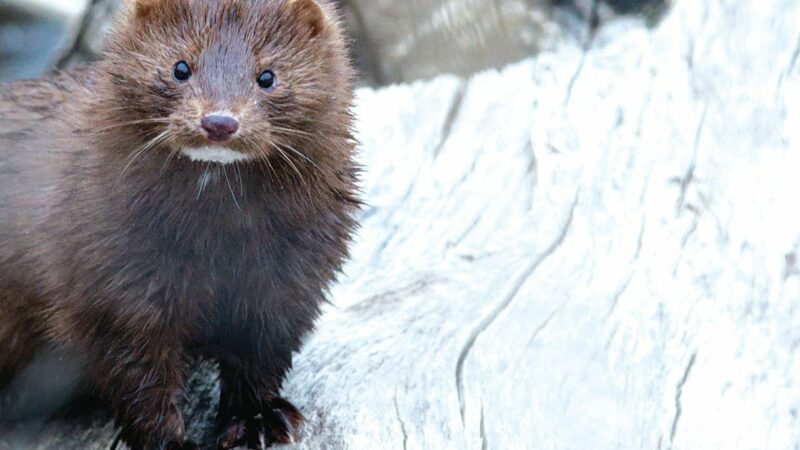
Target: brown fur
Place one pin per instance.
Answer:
(114, 243)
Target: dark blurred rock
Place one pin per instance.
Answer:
(596, 12)
(404, 41)
(91, 41)
(635, 6)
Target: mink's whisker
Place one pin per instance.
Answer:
(144, 148)
(228, 182)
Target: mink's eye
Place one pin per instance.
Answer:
(181, 72)
(267, 80)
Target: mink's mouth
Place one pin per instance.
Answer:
(214, 154)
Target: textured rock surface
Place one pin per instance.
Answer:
(589, 249)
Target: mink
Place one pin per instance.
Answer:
(192, 194)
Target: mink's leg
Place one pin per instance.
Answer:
(250, 412)
(19, 333)
(19, 342)
(18, 346)
(141, 380)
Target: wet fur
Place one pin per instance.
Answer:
(144, 259)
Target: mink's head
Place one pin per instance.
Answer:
(228, 80)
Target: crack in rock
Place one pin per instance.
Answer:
(484, 440)
(684, 241)
(618, 295)
(593, 23)
(688, 178)
(542, 326)
(462, 357)
(639, 241)
(574, 78)
(400, 419)
(795, 56)
(452, 115)
(678, 394)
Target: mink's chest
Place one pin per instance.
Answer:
(215, 276)
(225, 244)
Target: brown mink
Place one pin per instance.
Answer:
(191, 195)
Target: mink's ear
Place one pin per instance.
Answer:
(307, 12)
(141, 9)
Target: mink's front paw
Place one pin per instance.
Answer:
(279, 423)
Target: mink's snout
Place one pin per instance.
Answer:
(219, 128)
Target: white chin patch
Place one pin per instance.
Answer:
(219, 155)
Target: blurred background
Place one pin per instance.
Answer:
(393, 41)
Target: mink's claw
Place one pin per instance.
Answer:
(279, 423)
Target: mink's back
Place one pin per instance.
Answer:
(39, 124)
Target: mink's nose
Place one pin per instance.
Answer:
(219, 128)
